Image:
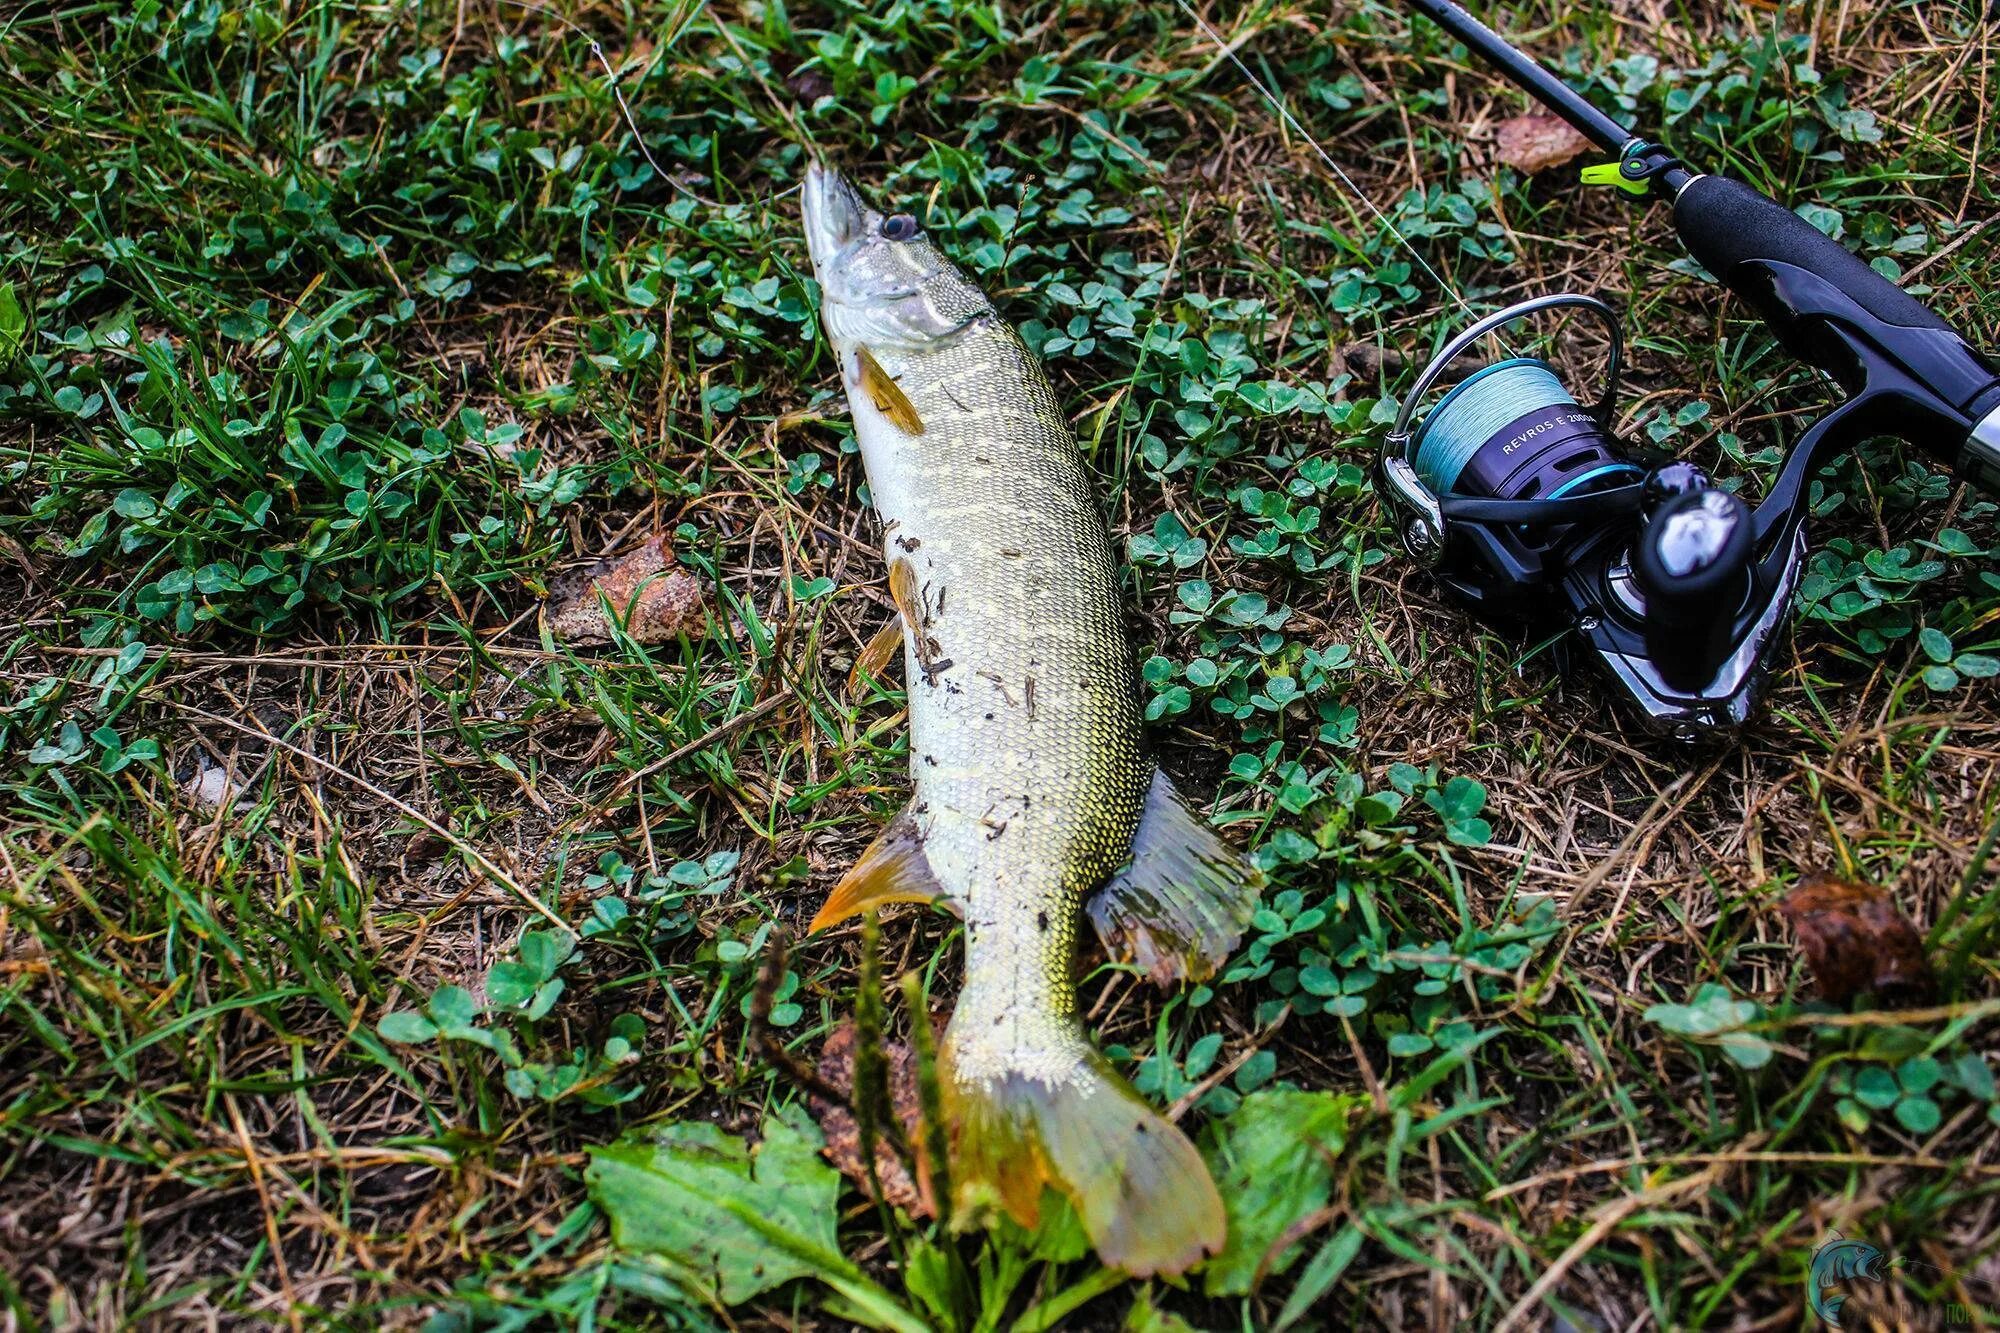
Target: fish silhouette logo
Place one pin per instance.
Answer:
(1836, 1261)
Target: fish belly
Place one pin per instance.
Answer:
(1024, 725)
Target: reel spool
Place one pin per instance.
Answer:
(1512, 432)
(1502, 468)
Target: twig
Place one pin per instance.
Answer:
(714, 733)
(1609, 1219)
(1201, 1089)
(264, 1202)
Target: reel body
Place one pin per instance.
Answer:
(1525, 505)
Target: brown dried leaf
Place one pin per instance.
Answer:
(877, 655)
(1536, 143)
(657, 600)
(1855, 940)
(807, 85)
(843, 1135)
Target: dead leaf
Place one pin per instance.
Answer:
(876, 655)
(657, 600)
(1536, 143)
(843, 1135)
(1855, 940)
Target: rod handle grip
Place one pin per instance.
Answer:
(1728, 226)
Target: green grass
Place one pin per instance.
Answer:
(352, 328)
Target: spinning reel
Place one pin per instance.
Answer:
(1527, 507)
(1530, 510)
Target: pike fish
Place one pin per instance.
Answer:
(1035, 806)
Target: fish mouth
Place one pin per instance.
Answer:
(835, 216)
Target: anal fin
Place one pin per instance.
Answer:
(1184, 901)
(893, 869)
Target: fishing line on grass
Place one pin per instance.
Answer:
(1285, 114)
(612, 79)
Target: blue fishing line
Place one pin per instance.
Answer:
(1476, 410)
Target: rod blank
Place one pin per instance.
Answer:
(1529, 73)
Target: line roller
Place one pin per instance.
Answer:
(1529, 508)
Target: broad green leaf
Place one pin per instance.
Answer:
(1256, 1071)
(1316, 980)
(454, 1010)
(928, 1275)
(1273, 1164)
(1979, 666)
(1458, 803)
(1714, 1015)
(510, 985)
(1877, 1087)
(407, 1026)
(130, 503)
(13, 325)
(1920, 1075)
(1746, 1048)
(1919, 1115)
(733, 1221)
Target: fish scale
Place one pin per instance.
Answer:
(1032, 796)
(1037, 697)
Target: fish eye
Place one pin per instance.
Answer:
(901, 227)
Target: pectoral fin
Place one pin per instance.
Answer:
(906, 593)
(894, 869)
(1182, 904)
(886, 394)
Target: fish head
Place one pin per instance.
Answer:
(883, 284)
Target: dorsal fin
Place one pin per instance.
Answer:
(1182, 904)
(893, 869)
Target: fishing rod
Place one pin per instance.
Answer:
(1525, 504)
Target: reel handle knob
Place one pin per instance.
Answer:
(1693, 551)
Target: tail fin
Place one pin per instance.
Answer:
(1141, 1189)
